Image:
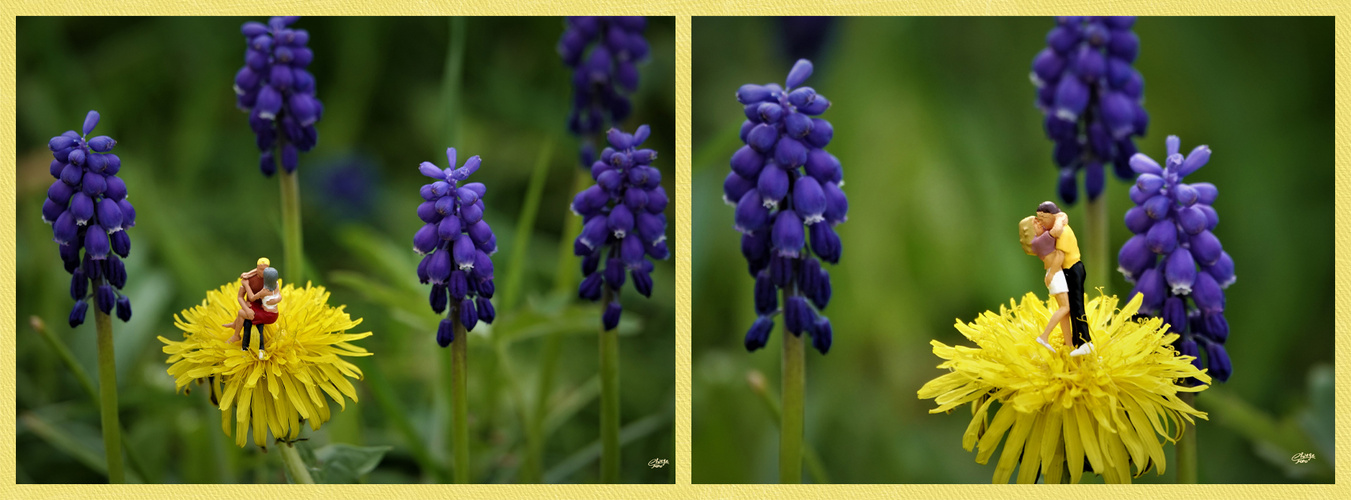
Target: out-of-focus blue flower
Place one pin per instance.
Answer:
(1175, 256)
(456, 245)
(786, 190)
(1092, 99)
(278, 92)
(624, 221)
(805, 36)
(88, 209)
(603, 52)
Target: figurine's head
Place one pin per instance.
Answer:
(270, 278)
(263, 264)
(1027, 232)
(1046, 212)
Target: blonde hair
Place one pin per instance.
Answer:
(1027, 230)
(262, 261)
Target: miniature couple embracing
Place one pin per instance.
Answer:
(258, 298)
(1047, 235)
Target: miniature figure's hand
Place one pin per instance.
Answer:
(1062, 219)
(248, 313)
(1048, 277)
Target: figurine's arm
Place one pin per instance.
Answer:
(276, 300)
(1061, 220)
(248, 274)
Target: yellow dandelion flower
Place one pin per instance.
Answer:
(1109, 406)
(303, 366)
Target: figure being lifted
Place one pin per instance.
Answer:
(258, 298)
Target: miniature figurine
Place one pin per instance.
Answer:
(1041, 244)
(257, 308)
(1052, 220)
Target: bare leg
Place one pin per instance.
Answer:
(1060, 316)
(237, 325)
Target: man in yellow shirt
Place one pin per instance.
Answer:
(1053, 220)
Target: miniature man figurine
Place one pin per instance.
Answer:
(1054, 221)
(258, 298)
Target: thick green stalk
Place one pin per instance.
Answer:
(1186, 447)
(815, 469)
(112, 430)
(292, 241)
(300, 473)
(794, 385)
(1098, 229)
(459, 401)
(609, 399)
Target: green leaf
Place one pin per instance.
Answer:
(344, 464)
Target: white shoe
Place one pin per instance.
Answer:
(1043, 342)
(260, 354)
(1082, 350)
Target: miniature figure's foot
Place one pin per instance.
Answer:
(234, 338)
(1044, 343)
(261, 355)
(1082, 350)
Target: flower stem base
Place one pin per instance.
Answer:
(790, 432)
(112, 429)
(609, 401)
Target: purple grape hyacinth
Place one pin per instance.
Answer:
(277, 92)
(88, 209)
(1174, 256)
(1092, 97)
(456, 245)
(624, 221)
(603, 52)
(785, 186)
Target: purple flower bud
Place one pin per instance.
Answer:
(797, 315)
(479, 232)
(790, 153)
(1137, 220)
(747, 163)
(470, 214)
(762, 138)
(1094, 180)
(128, 213)
(91, 120)
(50, 211)
(1124, 45)
(445, 332)
(105, 298)
(589, 264)
(797, 125)
(72, 174)
(102, 144)
(826, 243)
(1216, 326)
(1206, 248)
(1158, 207)
(486, 312)
(751, 213)
(61, 142)
(1195, 160)
(751, 93)
(93, 184)
(438, 299)
(1217, 361)
(1089, 64)
(77, 313)
(1180, 271)
(590, 287)
(82, 207)
(636, 200)
(767, 112)
(651, 227)
(642, 279)
(269, 102)
(1071, 97)
(65, 230)
(1206, 294)
(124, 309)
(787, 234)
(426, 239)
(1142, 164)
(837, 205)
(809, 200)
(755, 248)
(60, 193)
(1118, 112)
(802, 69)
(772, 186)
(1162, 237)
(611, 316)
(1189, 348)
(1212, 217)
(76, 156)
(822, 334)
(79, 285)
(1047, 67)
(820, 133)
(464, 252)
(632, 249)
(1134, 257)
(439, 267)
(620, 221)
(614, 273)
(758, 335)
(109, 216)
(457, 285)
(486, 288)
(1184, 195)
(1151, 285)
(1191, 219)
(590, 200)
(1222, 270)
(823, 166)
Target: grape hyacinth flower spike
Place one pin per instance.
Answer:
(786, 190)
(88, 209)
(278, 92)
(1174, 259)
(89, 212)
(603, 53)
(457, 247)
(1092, 99)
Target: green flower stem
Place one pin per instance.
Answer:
(112, 430)
(300, 473)
(815, 469)
(292, 241)
(609, 399)
(459, 401)
(1097, 229)
(790, 430)
(1186, 447)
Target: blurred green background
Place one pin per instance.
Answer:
(397, 91)
(943, 153)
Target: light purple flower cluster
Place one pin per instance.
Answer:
(277, 91)
(624, 221)
(1172, 222)
(781, 181)
(602, 76)
(1092, 98)
(456, 245)
(88, 209)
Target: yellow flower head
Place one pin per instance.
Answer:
(1108, 406)
(303, 361)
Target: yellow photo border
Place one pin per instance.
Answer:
(683, 11)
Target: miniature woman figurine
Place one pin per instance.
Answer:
(1057, 223)
(257, 308)
(1040, 243)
